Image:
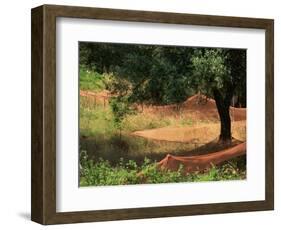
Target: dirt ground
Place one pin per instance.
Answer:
(196, 107)
(203, 133)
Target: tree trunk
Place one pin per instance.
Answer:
(223, 110)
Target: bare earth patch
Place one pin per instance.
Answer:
(197, 108)
(203, 133)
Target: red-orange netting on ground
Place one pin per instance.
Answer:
(199, 163)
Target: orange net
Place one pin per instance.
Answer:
(199, 163)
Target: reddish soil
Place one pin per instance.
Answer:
(102, 94)
(200, 163)
(199, 133)
(197, 107)
(96, 98)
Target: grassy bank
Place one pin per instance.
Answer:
(100, 172)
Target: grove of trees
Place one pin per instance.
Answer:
(160, 75)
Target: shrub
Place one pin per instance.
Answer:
(91, 80)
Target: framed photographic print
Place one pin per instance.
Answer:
(140, 114)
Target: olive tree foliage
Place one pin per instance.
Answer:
(209, 71)
(220, 73)
(100, 57)
(157, 74)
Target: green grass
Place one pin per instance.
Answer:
(96, 122)
(100, 172)
(91, 80)
(112, 148)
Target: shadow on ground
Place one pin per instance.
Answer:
(24, 215)
(137, 148)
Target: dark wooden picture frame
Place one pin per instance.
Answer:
(43, 197)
